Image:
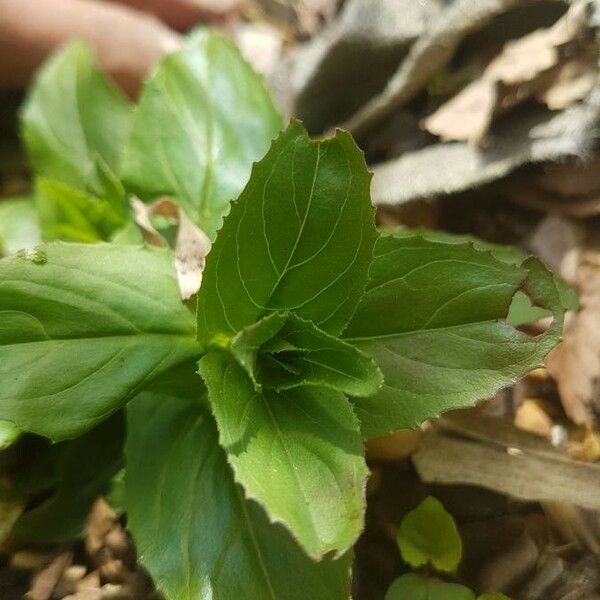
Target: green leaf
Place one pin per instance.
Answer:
(428, 534)
(19, 225)
(433, 317)
(299, 453)
(247, 343)
(75, 122)
(83, 329)
(494, 596)
(85, 467)
(302, 354)
(299, 238)
(282, 351)
(507, 254)
(194, 531)
(72, 215)
(415, 587)
(203, 118)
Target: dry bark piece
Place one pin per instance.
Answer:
(191, 245)
(523, 69)
(45, 581)
(493, 454)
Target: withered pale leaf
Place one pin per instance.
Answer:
(468, 115)
(191, 244)
(191, 247)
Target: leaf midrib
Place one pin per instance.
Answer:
(188, 337)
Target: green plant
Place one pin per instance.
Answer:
(428, 535)
(247, 406)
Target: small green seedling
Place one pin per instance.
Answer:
(428, 537)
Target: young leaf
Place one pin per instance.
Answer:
(282, 351)
(415, 587)
(203, 118)
(433, 319)
(429, 534)
(73, 215)
(298, 453)
(75, 122)
(299, 238)
(83, 329)
(19, 225)
(195, 533)
(302, 354)
(247, 343)
(85, 467)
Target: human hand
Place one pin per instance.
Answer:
(127, 40)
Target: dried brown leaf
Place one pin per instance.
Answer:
(45, 581)
(90, 582)
(441, 169)
(533, 418)
(572, 81)
(191, 245)
(575, 363)
(525, 67)
(101, 521)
